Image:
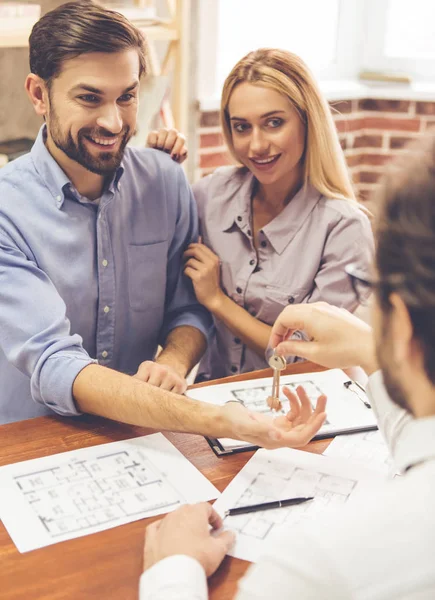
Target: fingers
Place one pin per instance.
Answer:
(226, 540)
(306, 408)
(152, 139)
(296, 348)
(169, 140)
(194, 264)
(214, 518)
(321, 404)
(179, 149)
(295, 407)
(161, 376)
(201, 252)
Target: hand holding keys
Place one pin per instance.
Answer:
(278, 363)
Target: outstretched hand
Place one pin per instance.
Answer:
(293, 430)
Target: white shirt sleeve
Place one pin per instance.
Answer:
(294, 566)
(392, 420)
(174, 578)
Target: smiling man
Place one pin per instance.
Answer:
(92, 235)
(91, 232)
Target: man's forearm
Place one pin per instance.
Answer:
(183, 349)
(107, 393)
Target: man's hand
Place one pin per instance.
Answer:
(338, 339)
(170, 141)
(203, 268)
(293, 430)
(162, 376)
(187, 531)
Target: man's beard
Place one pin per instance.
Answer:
(389, 368)
(105, 163)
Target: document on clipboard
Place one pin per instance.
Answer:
(348, 409)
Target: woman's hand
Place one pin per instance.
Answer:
(203, 268)
(170, 141)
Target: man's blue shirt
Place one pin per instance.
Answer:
(82, 281)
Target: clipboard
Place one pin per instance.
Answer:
(348, 408)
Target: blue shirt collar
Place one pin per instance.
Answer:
(54, 177)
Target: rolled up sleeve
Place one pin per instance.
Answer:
(182, 307)
(35, 332)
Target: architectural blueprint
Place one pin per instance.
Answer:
(368, 448)
(345, 409)
(281, 474)
(76, 493)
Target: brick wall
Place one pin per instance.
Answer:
(371, 132)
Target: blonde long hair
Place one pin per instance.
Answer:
(324, 163)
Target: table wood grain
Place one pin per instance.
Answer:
(108, 564)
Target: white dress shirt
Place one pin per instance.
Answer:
(379, 550)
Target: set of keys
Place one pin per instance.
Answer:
(278, 363)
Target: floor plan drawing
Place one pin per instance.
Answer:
(272, 475)
(83, 493)
(326, 489)
(367, 448)
(56, 498)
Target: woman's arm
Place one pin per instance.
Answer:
(203, 268)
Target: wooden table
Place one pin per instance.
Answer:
(104, 565)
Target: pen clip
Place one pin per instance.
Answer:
(351, 385)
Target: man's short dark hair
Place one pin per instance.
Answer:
(405, 254)
(77, 28)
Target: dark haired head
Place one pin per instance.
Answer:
(77, 28)
(405, 254)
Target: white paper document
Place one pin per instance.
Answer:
(68, 495)
(346, 409)
(281, 474)
(368, 448)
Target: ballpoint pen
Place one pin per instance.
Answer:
(349, 386)
(241, 510)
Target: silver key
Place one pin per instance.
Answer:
(278, 363)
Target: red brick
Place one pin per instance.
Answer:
(209, 119)
(343, 142)
(354, 174)
(208, 161)
(209, 140)
(354, 160)
(368, 141)
(369, 177)
(429, 125)
(382, 105)
(375, 159)
(399, 141)
(425, 108)
(386, 123)
(341, 106)
(347, 125)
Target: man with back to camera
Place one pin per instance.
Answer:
(381, 548)
(91, 241)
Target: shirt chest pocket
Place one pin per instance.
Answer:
(147, 276)
(276, 299)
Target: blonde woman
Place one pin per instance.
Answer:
(280, 228)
